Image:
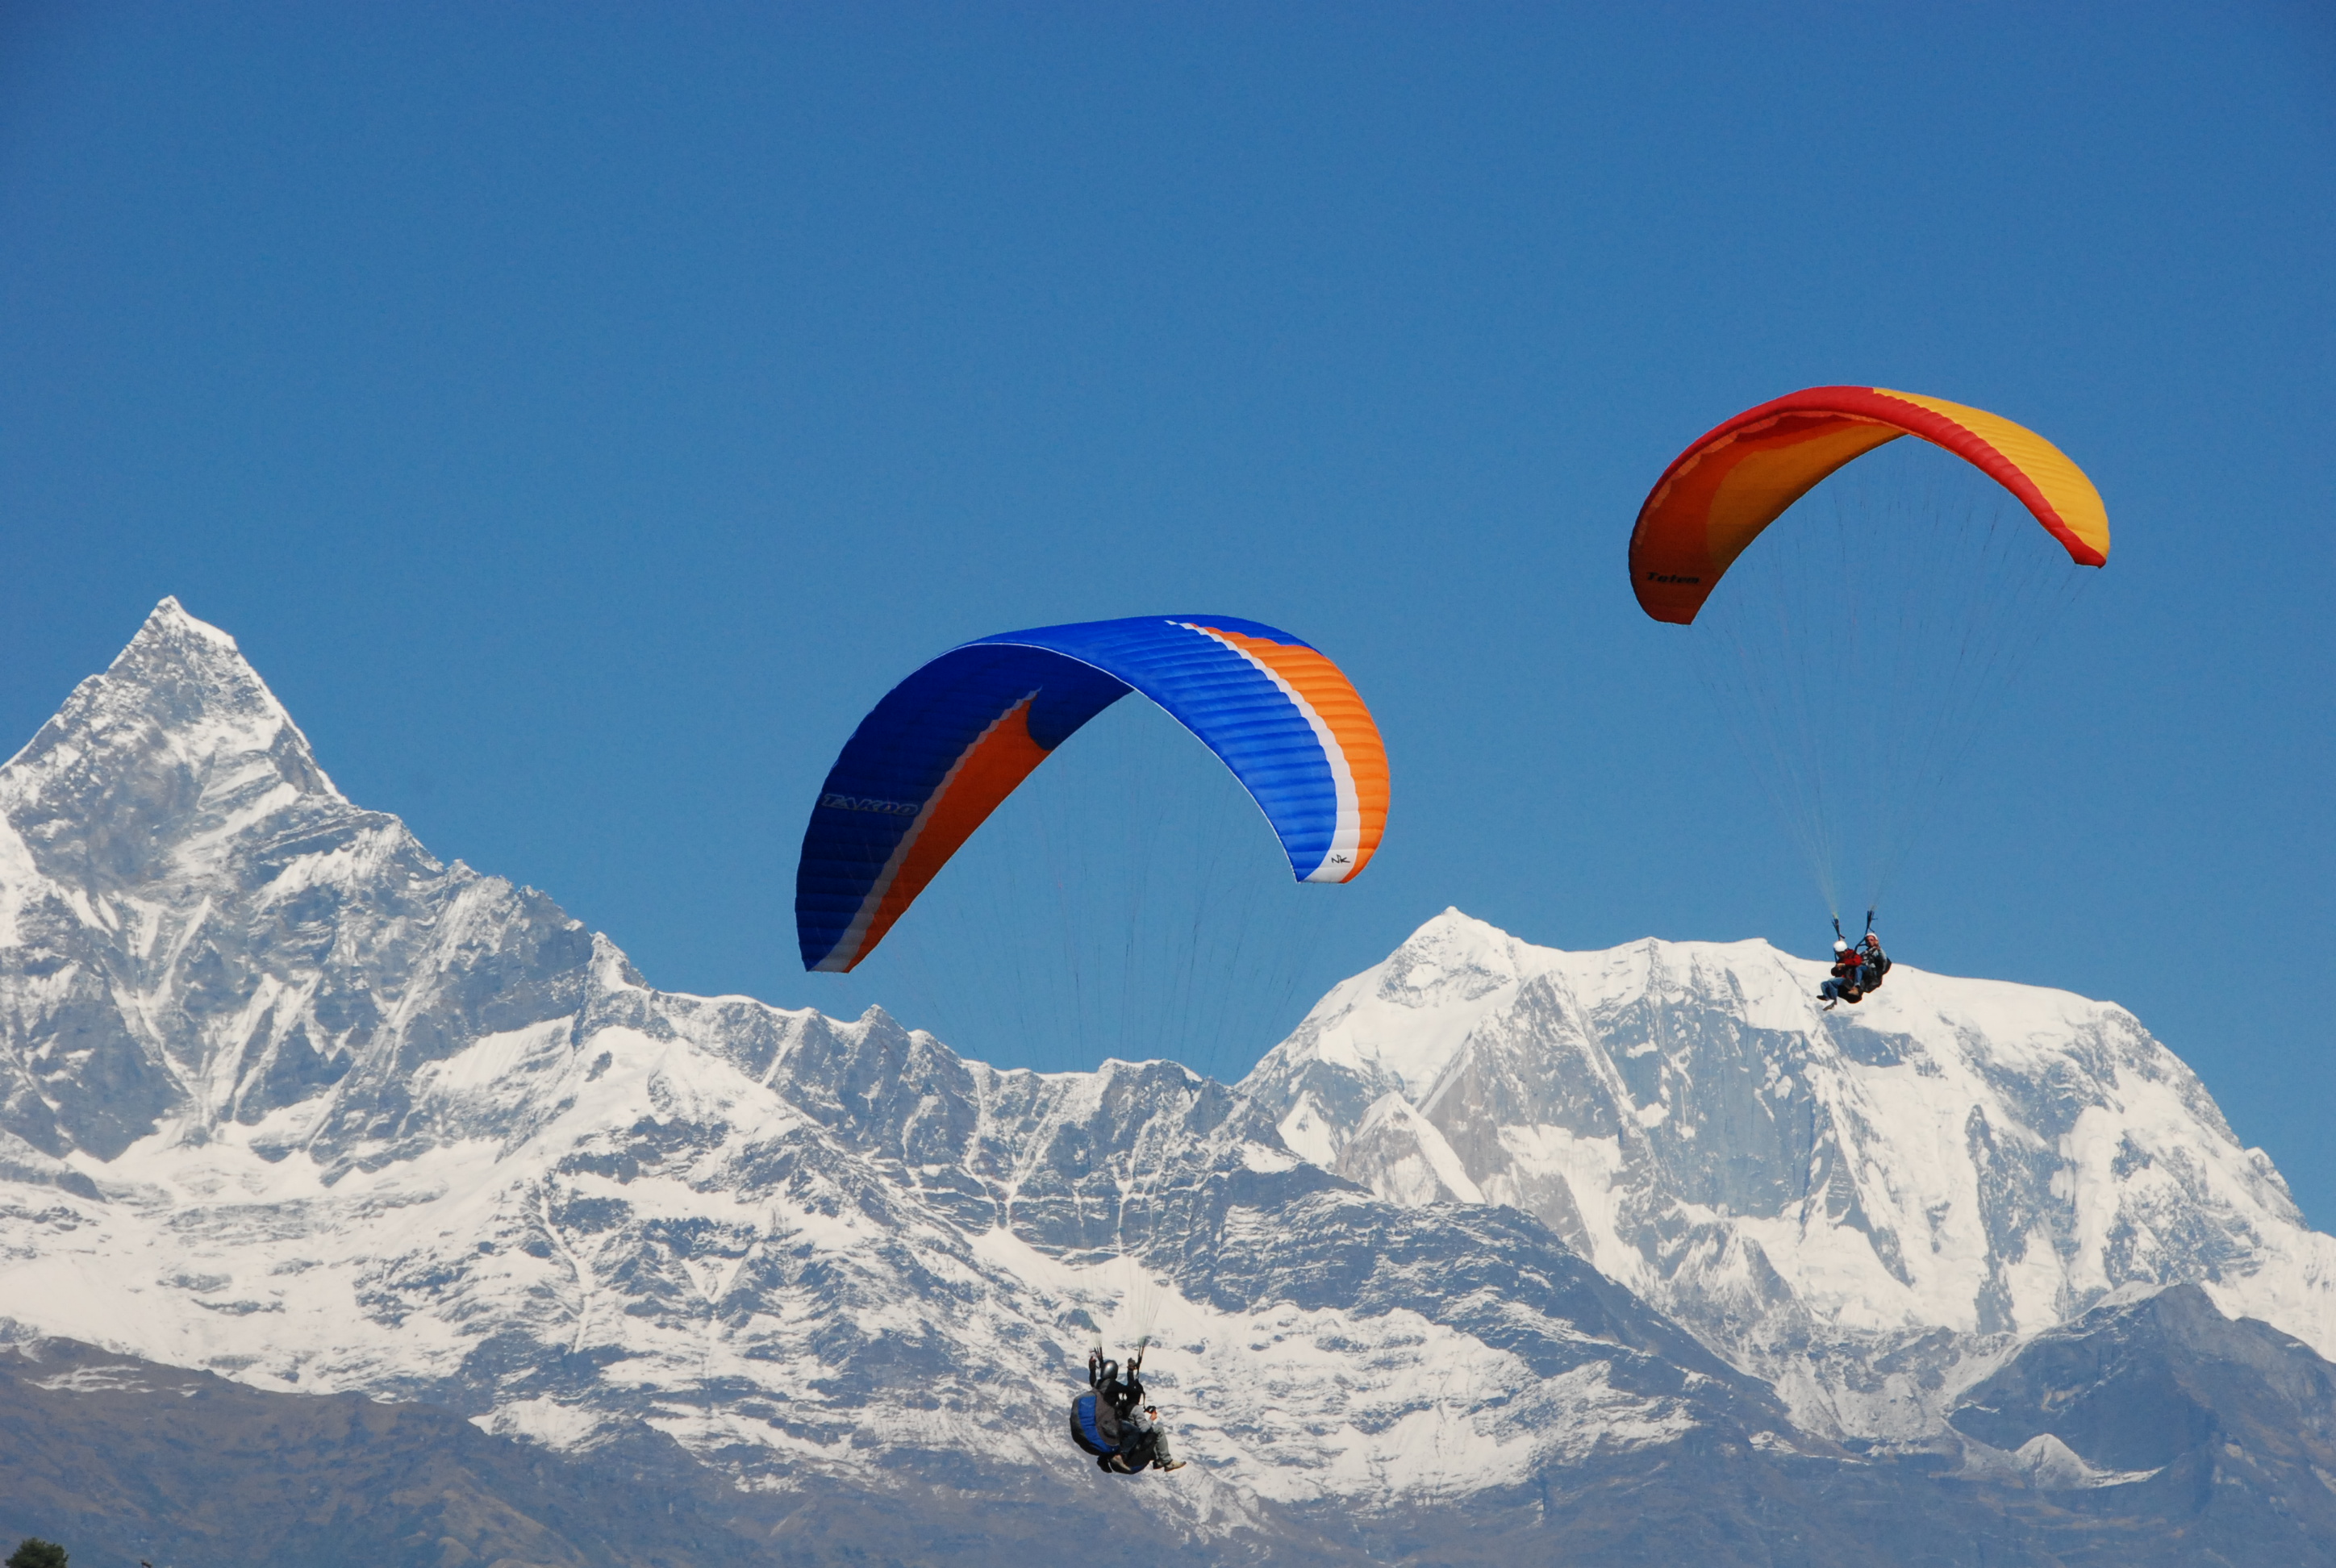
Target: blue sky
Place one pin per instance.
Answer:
(582, 415)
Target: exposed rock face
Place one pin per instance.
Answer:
(2225, 1430)
(289, 1099)
(2138, 1383)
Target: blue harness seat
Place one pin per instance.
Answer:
(1094, 1427)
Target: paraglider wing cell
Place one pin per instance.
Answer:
(1720, 492)
(947, 745)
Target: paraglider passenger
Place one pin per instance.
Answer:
(1152, 1438)
(1848, 982)
(1876, 962)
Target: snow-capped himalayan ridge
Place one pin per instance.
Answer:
(1865, 1207)
(283, 1095)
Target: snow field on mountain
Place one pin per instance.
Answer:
(1300, 1405)
(387, 1279)
(211, 1257)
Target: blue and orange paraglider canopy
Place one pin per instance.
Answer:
(947, 745)
(1717, 495)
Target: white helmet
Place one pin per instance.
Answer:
(1840, 946)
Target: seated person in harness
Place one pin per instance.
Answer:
(1856, 970)
(1848, 982)
(1112, 1422)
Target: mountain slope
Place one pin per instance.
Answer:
(2157, 1406)
(122, 1459)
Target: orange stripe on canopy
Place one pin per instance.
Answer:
(1335, 701)
(1717, 495)
(992, 767)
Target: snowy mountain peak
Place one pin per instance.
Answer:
(1954, 1164)
(169, 618)
(1451, 970)
(179, 697)
(199, 931)
(1401, 1022)
(150, 774)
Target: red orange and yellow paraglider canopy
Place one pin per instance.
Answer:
(1720, 492)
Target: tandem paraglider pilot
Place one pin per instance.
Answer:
(1112, 1422)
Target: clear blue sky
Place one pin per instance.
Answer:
(581, 414)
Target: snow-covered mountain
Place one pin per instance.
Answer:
(1865, 1207)
(284, 1097)
(310, 1106)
